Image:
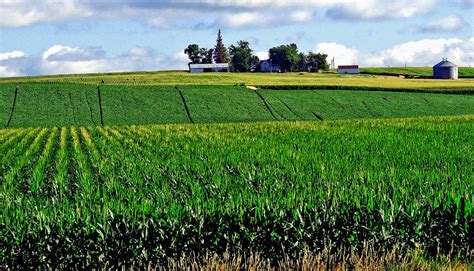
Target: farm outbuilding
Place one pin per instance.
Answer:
(445, 70)
(348, 69)
(217, 67)
(267, 66)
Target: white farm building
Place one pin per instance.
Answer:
(267, 66)
(217, 67)
(348, 69)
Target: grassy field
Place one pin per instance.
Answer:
(425, 72)
(75, 197)
(254, 79)
(168, 168)
(65, 104)
(7, 95)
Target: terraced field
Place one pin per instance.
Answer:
(65, 104)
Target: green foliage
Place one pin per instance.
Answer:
(56, 104)
(50, 105)
(124, 105)
(206, 55)
(139, 194)
(7, 92)
(285, 56)
(242, 58)
(194, 53)
(317, 62)
(332, 105)
(221, 54)
(173, 78)
(303, 63)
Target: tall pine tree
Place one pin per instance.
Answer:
(221, 55)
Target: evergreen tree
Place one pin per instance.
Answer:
(221, 55)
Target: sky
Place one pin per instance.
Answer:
(39, 37)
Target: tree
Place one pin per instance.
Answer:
(303, 63)
(206, 55)
(193, 53)
(242, 58)
(317, 62)
(221, 55)
(285, 56)
(255, 62)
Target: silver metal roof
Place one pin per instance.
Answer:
(209, 66)
(444, 64)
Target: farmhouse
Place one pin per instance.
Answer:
(445, 70)
(348, 69)
(217, 67)
(267, 66)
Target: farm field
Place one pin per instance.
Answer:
(141, 194)
(426, 72)
(167, 168)
(329, 80)
(66, 104)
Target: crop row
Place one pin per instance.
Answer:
(50, 105)
(252, 79)
(96, 196)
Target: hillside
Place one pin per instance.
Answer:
(424, 72)
(63, 104)
(172, 78)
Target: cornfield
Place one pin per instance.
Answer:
(75, 197)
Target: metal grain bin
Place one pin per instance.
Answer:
(445, 70)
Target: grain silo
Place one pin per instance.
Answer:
(445, 70)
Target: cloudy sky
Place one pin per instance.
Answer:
(79, 36)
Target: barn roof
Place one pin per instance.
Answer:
(341, 67)
(444, 64)
(209, 66)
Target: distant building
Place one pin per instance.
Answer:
(445, 70)
(217, 67)
(267, 66)
(348, 69)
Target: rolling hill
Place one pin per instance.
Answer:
(66, 104)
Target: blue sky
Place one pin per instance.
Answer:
(77, 36)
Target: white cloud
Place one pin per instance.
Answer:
(7, 63)
(262, 55)
(60, 59)
(17, 13)
(425, 52)
(6, 72)
(343, 55)
(466, 3)
(230, 13)
(12, 54)
(377, 9)
(448, 24)
(245, 19)
(62, 53)
(301, 16)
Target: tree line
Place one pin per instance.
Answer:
(241, 57)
